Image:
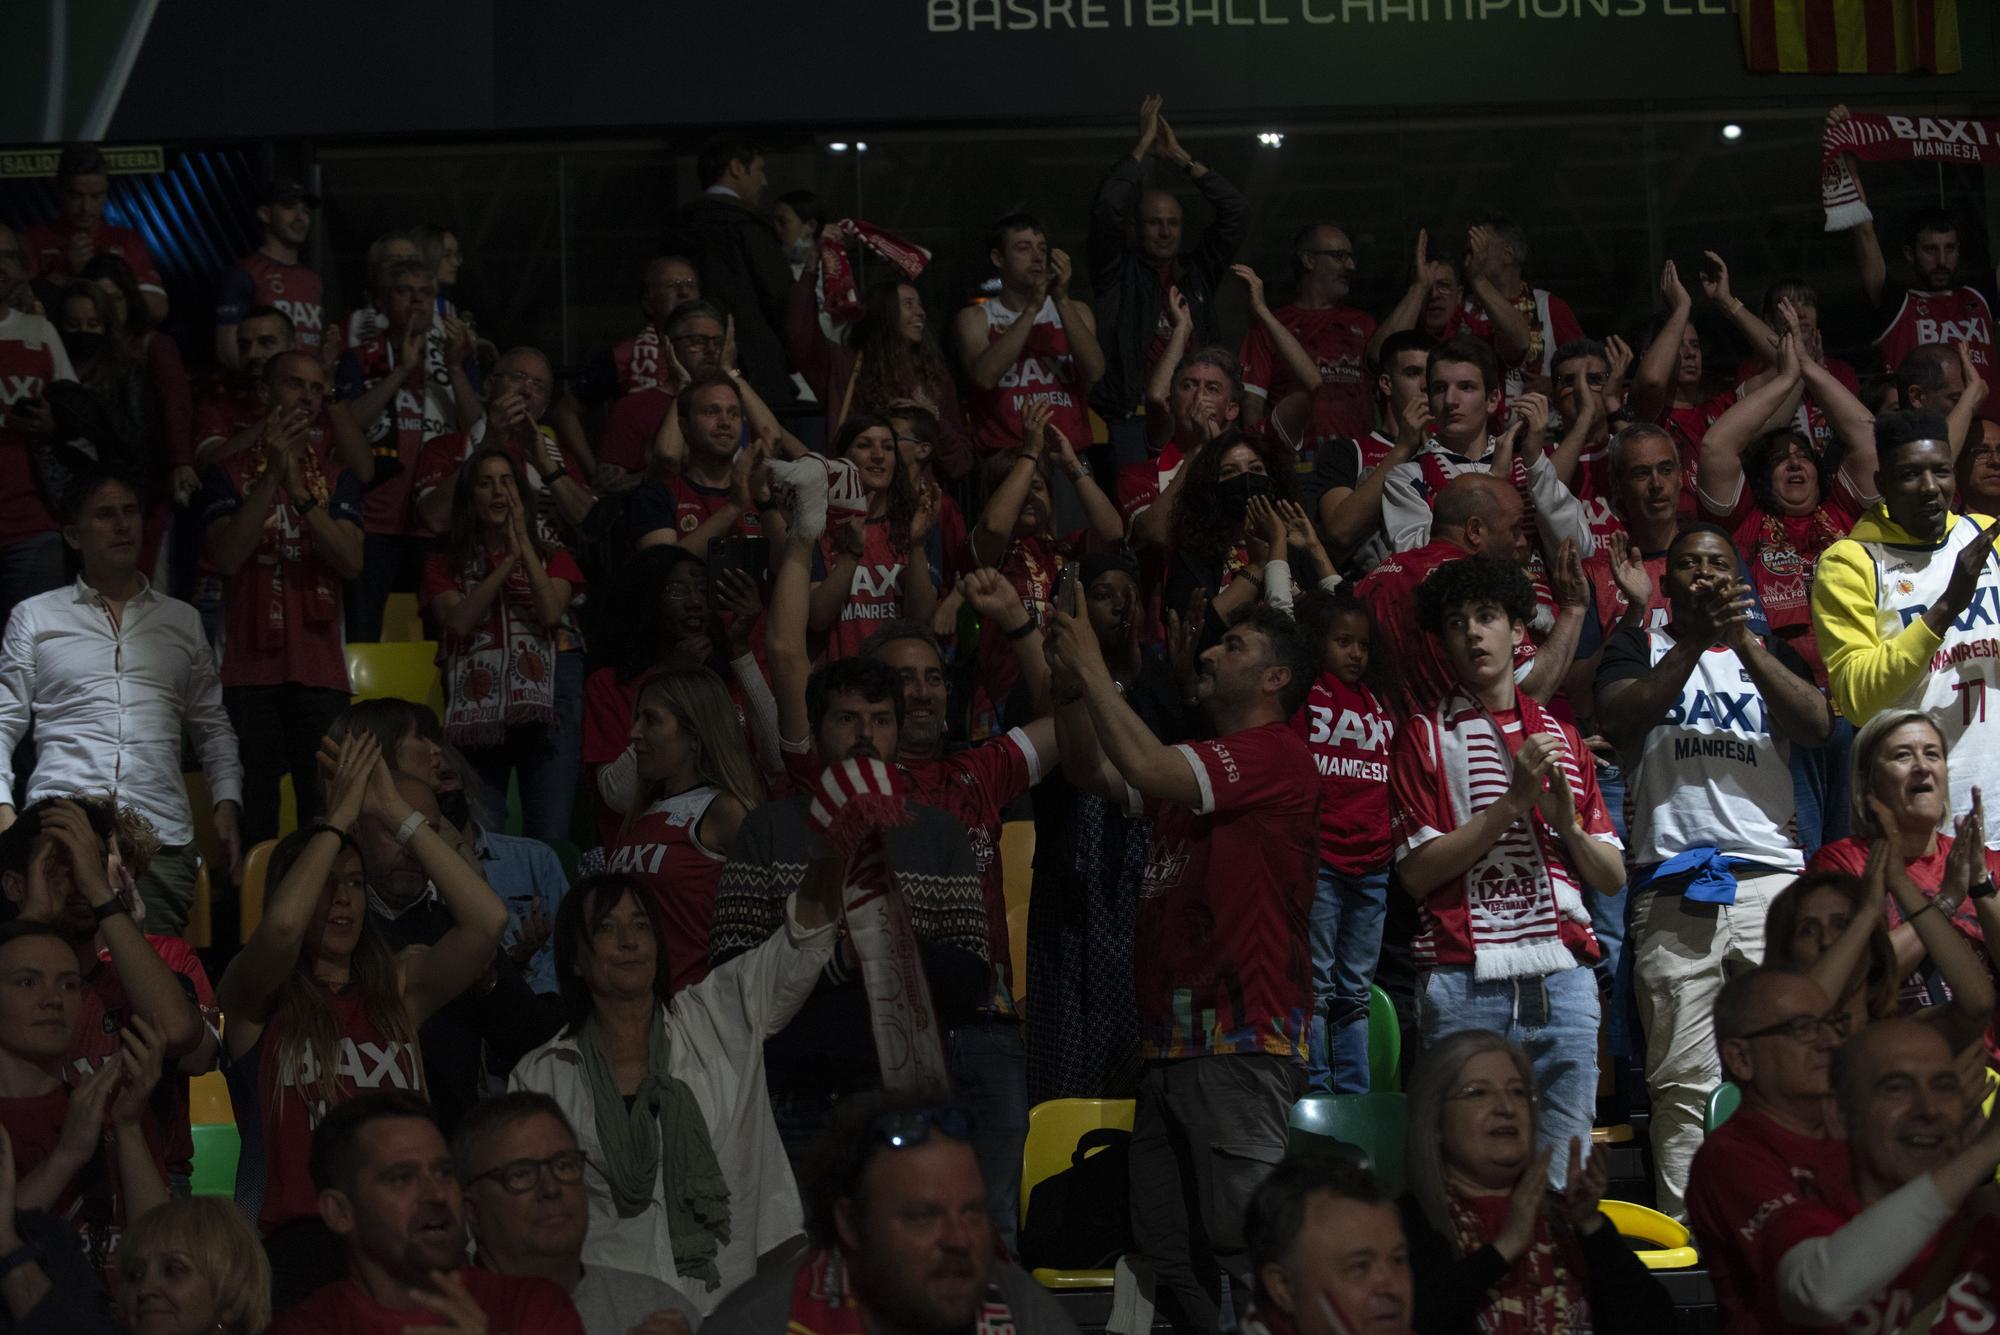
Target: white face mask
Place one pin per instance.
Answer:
(799, 250)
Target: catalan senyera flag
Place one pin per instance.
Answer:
(1850, 36)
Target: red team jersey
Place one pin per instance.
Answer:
(1045, 370)
(630, 426)
(1336, 337)
(1961, 315)
(259, 280)
(638, 361)
(663, 848)
(683, 505)
(47, 245)
(1221, 963)
(514, 1305)
(1390, 591)
(1783, 551)
(1348, 731)
(876, 594)
(31, 356)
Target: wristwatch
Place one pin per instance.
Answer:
(109, 909)
(1982, 889)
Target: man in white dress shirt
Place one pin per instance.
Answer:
(109, 671)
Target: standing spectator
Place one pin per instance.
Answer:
(1703, 714)
(505, 599)
(120, 423)
(1349, 472)
(78, 233)
(1031, 340)
(1791, 304)
(517, 397)
(1214, 546)
(865, 569)
(1348, 730)
(400, 395)
(890, 1159)
(1492, 1247)
(640, 361)
(31, 358)
(643, 432)
(171, 440)
(686, 1177)
(1671, 386)
(1136, 260)
(1193, 401)
(1501, 307)
(799, 216)
(1938, 307)
(1499, 831)
(283, 524)
(365, 322)
(273, 274)
(696, 783)
(522, 1171)
(1327, 1253)
(1341, 402)
(1223, 971)
(743, 268)
(110, 671)
(920, 439)
(320, 1008)
(1922, 639)
(388, 1191)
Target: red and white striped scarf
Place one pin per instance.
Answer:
(1894, 139)
(839, 297)
(856, 802)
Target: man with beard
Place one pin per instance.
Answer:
(896, 1212)
(642, 429)
(1938, 307)
(388, 1188)
(522, 1177)
(712, 494)
(494, 1023)
(272, 275)
(1334, 334)
(1905, 609)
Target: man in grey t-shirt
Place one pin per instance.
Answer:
(525, 1201)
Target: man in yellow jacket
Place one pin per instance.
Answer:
(1907, 607)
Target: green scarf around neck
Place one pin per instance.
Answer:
(658, 1149)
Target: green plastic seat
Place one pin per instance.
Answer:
(1385, 1043)
(1370, 1126)
(1722, 1101)
(216, 1147)
(566, 854)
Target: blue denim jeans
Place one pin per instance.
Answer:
(548, 758)
(1346, 937)
(989, 1068)
(1554, 1019)
(1607, 920)
(1820, 786)
(28, 567)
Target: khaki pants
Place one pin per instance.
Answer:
(167, 888)
(1683, 952)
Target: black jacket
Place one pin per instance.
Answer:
(1125, 289)
(1451, 1290)
(743, 271)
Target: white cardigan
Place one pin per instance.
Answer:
(716, 1029)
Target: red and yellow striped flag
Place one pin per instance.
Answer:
(1850, 36)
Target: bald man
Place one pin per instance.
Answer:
(517, 399)
(498, 1018)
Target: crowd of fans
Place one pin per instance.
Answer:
(1579, 694)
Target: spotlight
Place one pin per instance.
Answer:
(1271, 139)
(836, 148)
(1732, 132)
(860, 147)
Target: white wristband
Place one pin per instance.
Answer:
(411, 824)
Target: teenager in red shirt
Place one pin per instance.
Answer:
(389, 1191)
(1034, 339)
(272, 274)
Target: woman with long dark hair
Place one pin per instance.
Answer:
(503, 594)
(1212, 548)
(686, 1177)
(864, 574)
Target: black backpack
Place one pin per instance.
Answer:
(1081, 1217)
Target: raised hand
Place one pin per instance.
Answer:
(1254, 283)
(89, 1102)
(1976, 387)
(1566, 577)
(1184, 639)
(1788, 347)
(928, 500)
(1035, 416)
(1149, 125)
(1299, 530)
(1523, 1206)
(1715, 279)
(1533, 764)
(1059, 272)
(990, 594)
(1170, 145)
(1420, 267)
(1262, 520)
(346, 766)
(1415, 424)
(1533, 410)
(460, 343)
(1966, 863)
(1177, 306)
(1619, 353)
(141, 1047)
(1628, 572)
(1588, 1179)
(729, 345)
(1478, 248)
(1671, 288)
(412, 351)
(65, 820)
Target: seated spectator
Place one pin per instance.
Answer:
(272, 274)
(863, 573)
(388, 1190)
(408, 736)
(319, 1006)
(1499, 831)
(522, 1174)
(889, 1159)
(52, 1286)
(194, 1266)
(714, 492)
(890, 359)
(692, 341)
(1327, 1253)
(1901, 789)
(1032, 340)
(283, 528)
(686, 1175)
(83, 1152)
(505, 599)
(109, 671)
(1704, 714)
(78, 233)
(695, 783)
(517, 396)
(1493, 1245)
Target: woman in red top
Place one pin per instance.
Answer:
(697, 783)
(501, 593)
(319, 1009)
(865, 572)
(172, 476)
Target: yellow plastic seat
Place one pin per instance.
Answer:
(1611, 1135)
(405, 671)
(250, 895)
(208, 1101)
(401, 622)
(1054, 1128)
(1017, 866)
(1669, 1244)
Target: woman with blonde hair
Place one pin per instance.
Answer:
(192, 1267)
(697, 783)
(1493, 1248)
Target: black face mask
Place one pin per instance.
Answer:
(82, 346)
(1234, 494)
(455, 807)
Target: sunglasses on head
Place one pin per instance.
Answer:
(911, 1127)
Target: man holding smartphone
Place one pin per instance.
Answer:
(31, 356)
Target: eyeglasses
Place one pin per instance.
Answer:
(519, 1177)
(1333, 254)
(1805, 1028)
(524, 379)
(902, 1130)
(697, 340)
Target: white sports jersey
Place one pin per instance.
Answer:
(1711, 774)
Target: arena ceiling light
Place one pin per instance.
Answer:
(1732, 132)
(1271, 139)
(836, 148)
